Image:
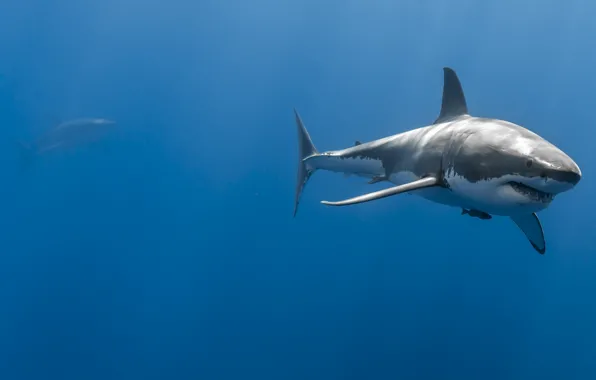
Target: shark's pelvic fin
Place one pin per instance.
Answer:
(531, 227)
(357, 142)
(377, 179)
(415, 185)
(454, 101)
(305, 149)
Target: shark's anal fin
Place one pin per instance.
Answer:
(415, 185)
(531, 227)
(453, 102)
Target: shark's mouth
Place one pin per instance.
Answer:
(532, 193)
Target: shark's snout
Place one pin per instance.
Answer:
(563, 178)
(568, 172)
(571, 175)
(556, 168)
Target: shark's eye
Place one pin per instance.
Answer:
(529, 163)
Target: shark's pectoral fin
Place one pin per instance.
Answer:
(531, 227)
(419, 184)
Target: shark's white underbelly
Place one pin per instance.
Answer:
(494, 196)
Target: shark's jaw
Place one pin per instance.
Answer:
(531, 193)
(506, 195)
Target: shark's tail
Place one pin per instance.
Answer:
(27, 155)
(305, 149)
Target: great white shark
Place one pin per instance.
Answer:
(484, 166)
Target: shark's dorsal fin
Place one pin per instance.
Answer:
(454, 101)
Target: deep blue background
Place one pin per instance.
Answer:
(169, 251)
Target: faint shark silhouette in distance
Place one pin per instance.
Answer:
(65, 135)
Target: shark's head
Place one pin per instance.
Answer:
(542, 169)
(510, 168)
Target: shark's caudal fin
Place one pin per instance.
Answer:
(27, 154)
(305, 149)
(453, 102)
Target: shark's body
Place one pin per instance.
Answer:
(67, 135)
(72, 133)
(483, 166)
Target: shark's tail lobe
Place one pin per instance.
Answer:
(305, 149)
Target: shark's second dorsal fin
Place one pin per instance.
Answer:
(454, 101)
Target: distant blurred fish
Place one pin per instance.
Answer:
(65, 135)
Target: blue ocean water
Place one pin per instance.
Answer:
(169, 251)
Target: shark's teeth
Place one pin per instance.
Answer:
(531, 192)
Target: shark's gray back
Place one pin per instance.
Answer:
(419, 151)
(470, 146)
(477, 147)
